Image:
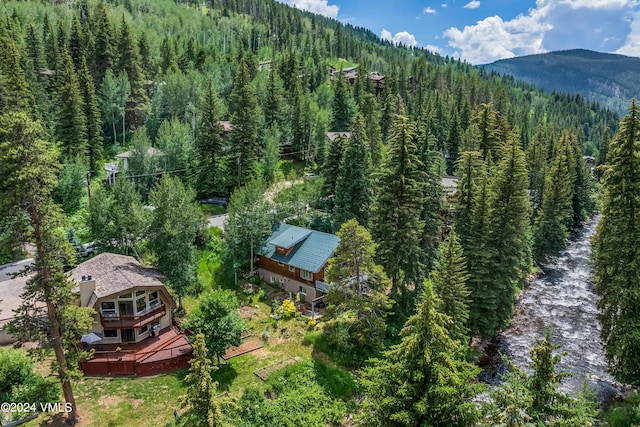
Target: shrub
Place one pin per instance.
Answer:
(288, 308)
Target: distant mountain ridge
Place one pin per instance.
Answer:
(610, 79)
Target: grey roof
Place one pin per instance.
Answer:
(310, 253)
(115, 274)
(289, 237)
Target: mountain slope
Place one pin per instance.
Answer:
(607, 78)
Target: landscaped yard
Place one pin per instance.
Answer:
(151, 401)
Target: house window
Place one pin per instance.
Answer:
(306, 275)
(111, 333)
(126, 296)
(292, 268)
(154, 300)
(281, 264)
(302, 289)
(272, 279)
(141, 302)
(144, 329)
(108, 309)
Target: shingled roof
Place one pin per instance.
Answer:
(311, 249)
(115, 274)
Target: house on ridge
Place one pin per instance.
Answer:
(133, 331)
(296, 258)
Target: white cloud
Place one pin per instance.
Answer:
(429, 10)
(321, 7)
(599, 4)
(474, 4)
(552, 24)
(403, 37)
(631, 45)
(433, 48)
(444, 5)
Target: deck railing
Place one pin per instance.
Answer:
(129, 322)
(322, 286)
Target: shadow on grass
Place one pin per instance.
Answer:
(225, 375)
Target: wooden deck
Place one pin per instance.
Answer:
(169, 351)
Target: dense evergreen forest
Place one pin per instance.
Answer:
(224, 99)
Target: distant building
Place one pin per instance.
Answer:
(113, 168)
(334, 135)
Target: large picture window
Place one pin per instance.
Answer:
(108, 308)
(141, 302)
(111, 333)
(154, 300)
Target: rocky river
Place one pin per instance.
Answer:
(563, 300)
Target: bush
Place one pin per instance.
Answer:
(288, 309)
(624, 414)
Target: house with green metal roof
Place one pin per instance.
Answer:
(295, 258)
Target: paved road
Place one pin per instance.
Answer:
(8, 270)
(218, 221)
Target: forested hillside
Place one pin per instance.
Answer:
(229, 99)
(606, 78)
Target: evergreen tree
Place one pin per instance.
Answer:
(331, 168)
(551, 226)
(533, 400)
(129, 61)
(479, 254)
(449, 278)
(342, 105)
(15, 94)
(395, 220)
(423, 380)
(509, 216)
(274, 102)
(453, 143)
(71, 128)
(432, 203)
(245, 118)
(370, 110)
(200, 401)
(103, 39)
(358, 303)
(469, 165)
(77, 46)
(208, 145)
(616, 253)
(92, 115)
(28, 164)
(353, 187)
(35, 50)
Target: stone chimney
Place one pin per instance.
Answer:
(87, 286)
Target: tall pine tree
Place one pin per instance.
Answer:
(395, 221)
(616, 255)
(353, 187)
(245, 119)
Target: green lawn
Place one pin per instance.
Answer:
(150, 401)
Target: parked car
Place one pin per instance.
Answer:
(220, 201)
(88, 249)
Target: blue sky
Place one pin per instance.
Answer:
(482, 31)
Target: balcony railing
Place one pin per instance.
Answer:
(322, 286)
(130, 322)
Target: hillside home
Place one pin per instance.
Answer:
(113, 168)
(296, 259)
(133, 330)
